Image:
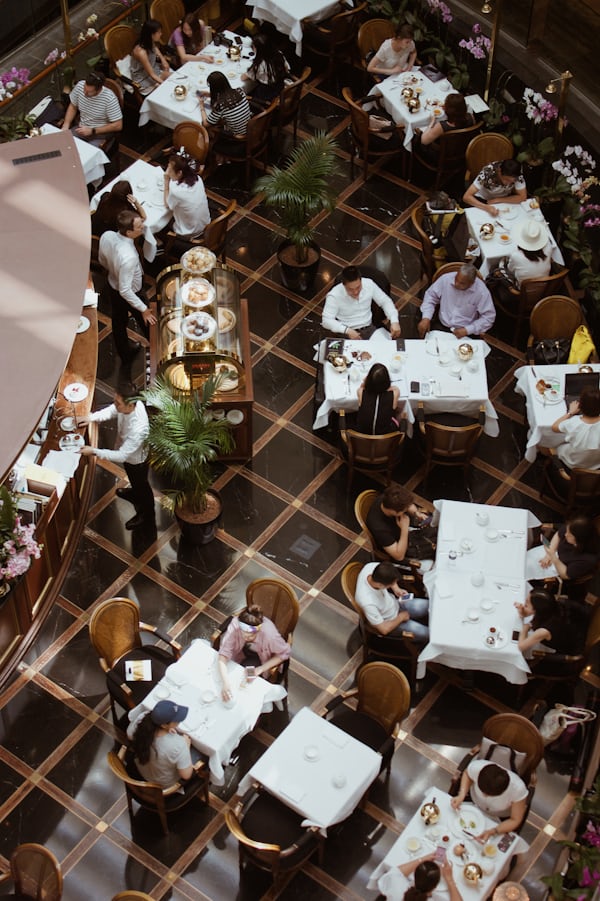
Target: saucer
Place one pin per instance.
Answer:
(467, 546)
(71, 441)
(311, 753)
(486, 606)
(492, 535)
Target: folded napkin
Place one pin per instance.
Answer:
(63, 462)
(339, 739)
(293, 791)
(451, 387)
(90, 298)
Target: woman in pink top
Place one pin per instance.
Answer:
(252, 640)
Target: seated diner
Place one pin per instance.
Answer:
(252, 640)
(499, 181)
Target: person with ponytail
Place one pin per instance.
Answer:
(185, 196)
(419, 880)
(252, 640)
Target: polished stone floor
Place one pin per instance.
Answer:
(55, 725)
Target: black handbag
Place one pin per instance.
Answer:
(550, 351)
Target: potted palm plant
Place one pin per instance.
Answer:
(183, 441)
(300, 190)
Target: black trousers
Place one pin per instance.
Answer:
(141, 496)
(120, 311)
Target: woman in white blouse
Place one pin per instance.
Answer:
(185, 196)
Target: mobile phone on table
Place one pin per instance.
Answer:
(400, 345)
(440, 854)
(415, 387)
(238, 39)
(506, 841)
(250, 673)
(515, 635)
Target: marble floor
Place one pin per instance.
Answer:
(55, 724)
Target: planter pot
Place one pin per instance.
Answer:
(298, 277)
(201, 528)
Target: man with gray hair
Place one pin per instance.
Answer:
(463, 303)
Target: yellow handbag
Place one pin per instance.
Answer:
(582, 346)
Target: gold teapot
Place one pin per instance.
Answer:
(338, 361)
(234, 52)
(430, 813)
(407, 93)
(472, 873)
(180, 92)
(413, 104)
(487, 231)
(465, 351)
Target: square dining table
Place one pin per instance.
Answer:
(544, 409)
(214, 727)
(506, 226)
(147, 183)
(162, 106)
(478, 576)
(93, 159)
(288, 15)
(445, 383)
(432, 96)
(316, 769)
(426, 839)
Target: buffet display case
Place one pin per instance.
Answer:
(202, 330)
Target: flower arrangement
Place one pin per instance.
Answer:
(537, 108)
(12, 81)
(581, 877)
(575, 168)
(478, 45)
(17, 543)
(440, 8)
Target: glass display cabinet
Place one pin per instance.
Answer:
(202, 330)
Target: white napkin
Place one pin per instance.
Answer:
(293, 791)
(63, 462)
(90, 298)
(339, 739)
(451, 387)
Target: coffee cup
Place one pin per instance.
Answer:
(482, 518)
(473, 366)
(477, 579)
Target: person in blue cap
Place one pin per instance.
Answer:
(162, 754)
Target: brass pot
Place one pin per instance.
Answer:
(472, 873)
(487, 231)
(180, 92)
(465, 351)
(407, 93)
(430, 813)
(413, 104)
(338, 361)
(234, 52)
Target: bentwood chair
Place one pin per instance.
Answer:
(383, 700)
(567, 668)
(36, 874)
(271, 836)
(214, 237)
(484, 149)
(278, 602)
(397, 647)
(335, 38)
(115, 632)
(110, 145)
(511, 741)
(252, 147)
(289, 105)
(119, 41)
(449, 441)
(131, 895)
(169, 13)
(367, 143)
(553, 318)
(371, 36)
(450, 267)
(194, 139)
(428, 262)
(573, 488)
(371, 453)
(152, 796)
(451, 157)
(407, 568)
(521, 301)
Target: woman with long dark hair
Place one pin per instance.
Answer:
(268, 70)
(457, 116)
(229, 109)
(545, 623)
(188, 40)
(162, 754)
(149, 68)
(378, 401)
(119, 198)
(427, 875)
(572, 553)
(185, 196)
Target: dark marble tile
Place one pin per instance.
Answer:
(288, 547)
(288, 463)
(84, 773)
(278, 384)
(452, 726)
(506, 450)
(401, 263)
(21, 730)
(9, 781)
(268, 310)
(333, 498)
(345, 235)
(412, 776)
(250, 244)
(77, 670)
(349, 856)
(327, 271)
(514, 498)
(185, 825)
(497, 364)
(305, 417)
(301, 340)
(449, 482)
(57, 621)
(316, 114)
(39, 818)
(92, 571)
(215, 872)
(110, 863)
(324, 640)
(110, 522)
(159, 607)
(232, 597)
(248, 507)
(302, 886)
(103, 482)
(333, 589)
(193, 568)
(381, 199)
(260, 424)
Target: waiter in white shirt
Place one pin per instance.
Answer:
(130, 450)
(347, 309)
(118, 254)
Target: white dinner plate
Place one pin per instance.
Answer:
(311, 753)
(194, 721)
(235, 417)
(551, 395)
(207, 697)
(508, 211)
(71, 442)
(469, 817)
(500, 640)
(161, 692)
(84, 324)
(76, 391)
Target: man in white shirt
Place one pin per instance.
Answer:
(130, 450)
(118, 254)
(347, 309)
(387, 607)
(99, 110)
(497, 791)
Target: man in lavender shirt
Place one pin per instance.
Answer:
(464, 304)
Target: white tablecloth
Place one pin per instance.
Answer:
(540, 413)
(139, 174)
(421, 363)
(288, 15)
(214, 728)
(161, 104)
(93, 159)
(511, 217)
(326, 789)
(432, 94)
(499, 568)
(495, 868)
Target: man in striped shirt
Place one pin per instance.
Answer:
(99, 110)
